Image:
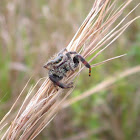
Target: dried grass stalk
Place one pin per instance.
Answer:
(102, 86)
(39, 109)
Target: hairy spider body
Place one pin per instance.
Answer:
(64, 62)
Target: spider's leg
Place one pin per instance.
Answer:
(61, 52)
(69, 53)
(56, 86)
(47, 65)
(55, 79)
(76, 61)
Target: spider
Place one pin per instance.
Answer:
(64, 62)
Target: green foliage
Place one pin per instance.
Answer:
(4, 77)
(135, 50)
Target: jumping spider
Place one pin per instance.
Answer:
(60, 65)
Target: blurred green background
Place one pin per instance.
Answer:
(31, 31)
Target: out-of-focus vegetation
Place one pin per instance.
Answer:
(32, 31)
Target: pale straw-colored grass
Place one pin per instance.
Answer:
(94, 36)
(102, 86)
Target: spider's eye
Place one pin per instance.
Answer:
(58, 60)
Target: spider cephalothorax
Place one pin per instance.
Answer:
(64, 62)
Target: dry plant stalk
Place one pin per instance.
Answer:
(102, 86)
(39, 109)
